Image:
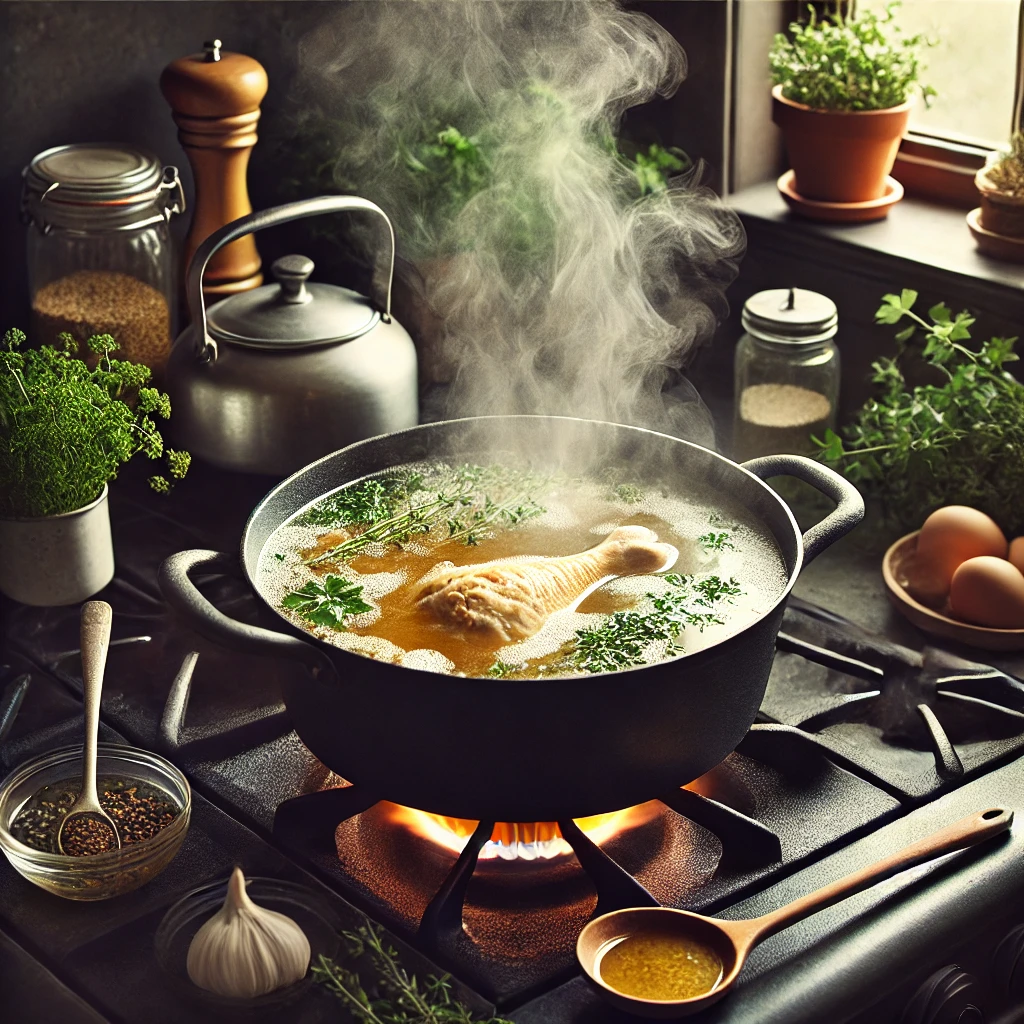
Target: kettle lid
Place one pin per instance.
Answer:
(293, 313)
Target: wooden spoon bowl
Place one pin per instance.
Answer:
(732, 941)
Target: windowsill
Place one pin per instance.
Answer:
(916, 231)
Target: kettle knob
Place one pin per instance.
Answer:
(291, 273)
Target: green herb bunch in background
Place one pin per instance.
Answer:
(956, 442)
(441, 170)
(66, 429)
(837, 62)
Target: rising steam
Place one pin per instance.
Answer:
(556, 289)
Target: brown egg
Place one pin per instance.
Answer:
(1016, 554)
(949, 537)
(988, 591)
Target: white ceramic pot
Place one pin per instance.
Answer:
(53, 560)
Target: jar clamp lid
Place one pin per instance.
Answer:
(99, 184)
(790, 316)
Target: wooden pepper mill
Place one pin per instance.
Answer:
(215, 97)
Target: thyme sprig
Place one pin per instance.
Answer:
(370, 501)
(66, 429)
(956, 442)
(394, 996)
(624, 638)
(469, 501)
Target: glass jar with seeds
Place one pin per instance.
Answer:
(147, 797)
(100, 257)
(786, 373)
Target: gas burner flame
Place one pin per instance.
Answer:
(522, 841)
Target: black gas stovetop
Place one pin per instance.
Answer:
(861, 746)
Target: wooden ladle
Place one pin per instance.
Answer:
(732, 941)
(95, 634)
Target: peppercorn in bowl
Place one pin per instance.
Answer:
(147, 797)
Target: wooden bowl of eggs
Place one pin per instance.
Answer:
(958, 578)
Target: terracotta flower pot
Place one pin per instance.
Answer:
(840, 156)
(1001, 213)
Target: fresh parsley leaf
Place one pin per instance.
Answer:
(330, 602)
(712, 541)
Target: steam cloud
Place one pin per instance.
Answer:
(556, 289)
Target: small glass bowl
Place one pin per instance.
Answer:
(310, 912)
(106, 874)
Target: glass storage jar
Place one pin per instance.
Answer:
(100, 257)
(786, 373)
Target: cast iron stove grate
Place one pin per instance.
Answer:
(769, 807)
(916, 723)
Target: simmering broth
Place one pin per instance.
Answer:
(358, 568)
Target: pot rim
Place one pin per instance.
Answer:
(898, 109)
(60, 515)
(793, 574)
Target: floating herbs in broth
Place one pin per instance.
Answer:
(357, 563)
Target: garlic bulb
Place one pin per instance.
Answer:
(245, 950)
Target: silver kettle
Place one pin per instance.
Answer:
(268, 380)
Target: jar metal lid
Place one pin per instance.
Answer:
(84, 183)
(294, 313)
(790, 316)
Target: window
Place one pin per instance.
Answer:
(973, 67)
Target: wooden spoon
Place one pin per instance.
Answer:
(95, 633)
(732, 941)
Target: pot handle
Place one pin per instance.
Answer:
(184, 597)
(206, 346)
(849, 510)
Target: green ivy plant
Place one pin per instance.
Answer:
(959, 441)
(837, 62)
(66, 429)
(1006, 173)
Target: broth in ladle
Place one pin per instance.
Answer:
(481, 571)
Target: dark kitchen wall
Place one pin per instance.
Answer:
(88, 71)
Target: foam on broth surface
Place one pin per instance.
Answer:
(577, 514)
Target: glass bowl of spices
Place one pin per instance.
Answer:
(147, 797)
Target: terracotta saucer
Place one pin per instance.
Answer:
(1000, 247)
(938, 623)
(841, 213)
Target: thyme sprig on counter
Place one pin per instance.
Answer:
(623, 639)
(469, 501)
(394, 996)
(330, 601)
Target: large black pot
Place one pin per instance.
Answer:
(512, 749)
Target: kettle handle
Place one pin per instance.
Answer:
(206, 346)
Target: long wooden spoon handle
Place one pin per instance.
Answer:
(975, 828)
(95, 639)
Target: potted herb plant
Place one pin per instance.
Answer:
(843, 90)
(65, 430)
(1000, 184)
